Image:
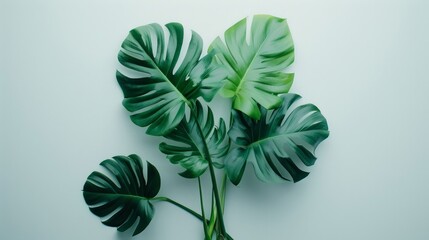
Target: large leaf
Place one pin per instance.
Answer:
(255, 66)
(162, 74)
(124, 196)
(281, 140)
(197, 140)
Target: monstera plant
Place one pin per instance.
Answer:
(167, 82)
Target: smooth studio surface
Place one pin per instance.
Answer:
(363, 63)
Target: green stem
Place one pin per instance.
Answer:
(222, 199)
(213, 217)
(169, 200)
(217, 200)
(206, 232)
(212, 176)
(223, 191)
(192, 212)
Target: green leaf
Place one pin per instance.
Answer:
(156, 84)
(122, 198)
(281, 140)
(255, 67)
(190, 151)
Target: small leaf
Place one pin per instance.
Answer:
(160, 85)
(279, 140)
(255, 67)
(190, 150)
(120, 205)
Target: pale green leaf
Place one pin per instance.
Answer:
(255, 67)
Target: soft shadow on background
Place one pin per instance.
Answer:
(363, 63)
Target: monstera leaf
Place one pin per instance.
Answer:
(123, 199)
(281, 140)
(199, 140)
(255, 65)
(162, 74)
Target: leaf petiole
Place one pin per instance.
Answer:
(212, 175)
(183, 207)
(186, 209)
(206, 231)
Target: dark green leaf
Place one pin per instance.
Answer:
(120, 205)
(281, 140)
(191, 153)
(156, 84)
(255, 67)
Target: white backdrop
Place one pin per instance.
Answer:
(363, 63)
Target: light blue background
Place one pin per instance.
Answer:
(363, 63)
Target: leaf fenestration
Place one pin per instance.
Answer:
(161, 85)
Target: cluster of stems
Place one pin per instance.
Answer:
(215, 225)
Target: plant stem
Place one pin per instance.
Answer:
(169, 200)
(213, 217)
(223, 191)
(192, 212)
(217, 200)
(212, 176)
(206, 232)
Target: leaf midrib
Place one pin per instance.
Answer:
(120, 195)
(155, 65)
(168, 80)
(194, 142)
(251, 63)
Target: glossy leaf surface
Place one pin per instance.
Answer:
(255, 61)
(281, 140)
(123, 197)
(162, 73)
(193, 137)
